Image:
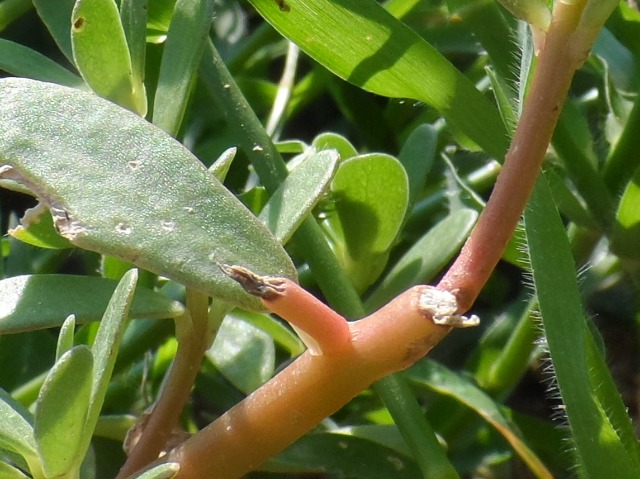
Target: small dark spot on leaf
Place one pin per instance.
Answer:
(284, 6)
(79, 23)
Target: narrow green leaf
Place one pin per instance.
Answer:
(382, 55)
(438, 378)
(105, 349)
(23, 300)
(25, 62)
(569, 203)
(163, 471)
(505, 100)
(574, 144)
(16, 427)
(101, 53)
(181, 57)
(57, 17)
(426, 257)
(243, 353)
(66, 336)
(600, 450)
(61, 411)
(144, 197)
(625, 240)
(298, 194)
(490, 27)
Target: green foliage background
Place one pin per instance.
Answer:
(418, 98)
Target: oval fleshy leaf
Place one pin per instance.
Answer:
(101, 53)
(243, 353)
(16, 427)
(44, 301)
(61, 410)
(122, 187)
(371, 196)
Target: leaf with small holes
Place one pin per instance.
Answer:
(120, 186)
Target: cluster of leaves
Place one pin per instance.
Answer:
(360, 225)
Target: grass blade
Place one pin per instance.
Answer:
(601, 445)
(382, 55)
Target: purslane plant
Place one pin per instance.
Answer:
(343, 358)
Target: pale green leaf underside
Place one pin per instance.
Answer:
(122, 187)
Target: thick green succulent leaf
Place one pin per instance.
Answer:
(44, 301)
(298, 194)
(185, 42)
(371, 197)
(381, 54)
(133, 16)
(371, 194)
(10, 472)
(243, 353)
(16, 427)
(333, 141)
(417, 155)
(101, 53)
(61, 411)
(105, 349)
(120, 186)
(66, 336)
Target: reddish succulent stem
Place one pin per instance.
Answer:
(193, 340)
(310, 389)
(484, 248)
